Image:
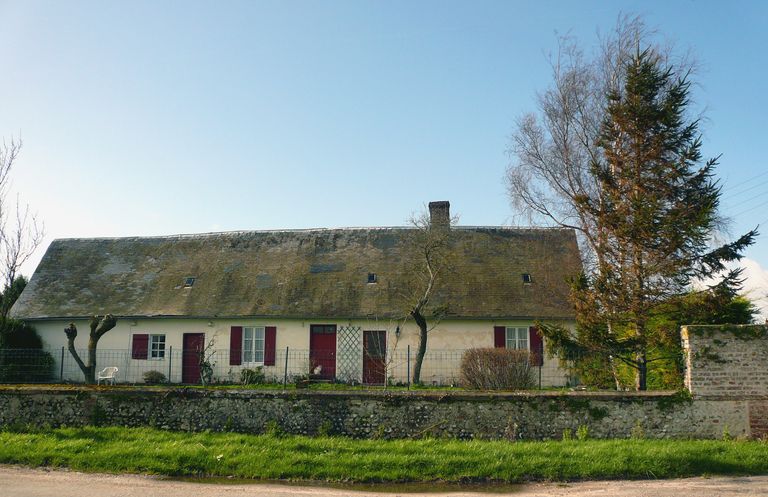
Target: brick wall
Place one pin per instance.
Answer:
(730, 362)
(726, 361)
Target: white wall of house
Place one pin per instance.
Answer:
(447, 341)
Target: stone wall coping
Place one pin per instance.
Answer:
(363, 394)
(729, 397)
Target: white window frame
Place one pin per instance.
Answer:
(156, 353)
(253, 345)
(517, 337)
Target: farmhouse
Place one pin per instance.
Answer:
(328, 301)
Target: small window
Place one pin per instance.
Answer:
(527, 278)
(188, 282)
(517, 338)
(322, 329)
(156, 346)
(253, 344)
(372, 278)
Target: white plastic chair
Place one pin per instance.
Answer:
(107, 374)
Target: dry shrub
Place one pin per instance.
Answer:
(497, 369)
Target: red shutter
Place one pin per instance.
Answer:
(236, 346)
(140, 346)
(270, 339)
(537, 347)
(500, 337)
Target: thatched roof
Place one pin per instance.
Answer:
(296, 274)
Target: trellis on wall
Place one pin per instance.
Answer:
(349, 354)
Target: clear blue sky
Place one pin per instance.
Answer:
(146, 118)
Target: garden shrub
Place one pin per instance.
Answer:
(22, 359)
(25, 366)
(15, 334)
(154, 377)
(252, 376)
(497, 369)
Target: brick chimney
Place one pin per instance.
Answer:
(440, 214)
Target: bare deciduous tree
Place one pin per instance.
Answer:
(427, 258)
(554, 149)
(20, 231)
(613, 154)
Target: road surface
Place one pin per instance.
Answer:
(18, 481)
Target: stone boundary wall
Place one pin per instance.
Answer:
(726, 375)
(463, 415)
(729, 362)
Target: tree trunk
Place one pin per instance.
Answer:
(612, 362)
(89, 370)
(641, 377)
(614, 373)
(90, 375)
(422, 324)
(80, 364)
(99, 326)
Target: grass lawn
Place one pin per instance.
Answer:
(144, 450)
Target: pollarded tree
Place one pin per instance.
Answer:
(99, 326)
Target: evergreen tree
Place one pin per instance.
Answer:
(10, 294)
(652, 213)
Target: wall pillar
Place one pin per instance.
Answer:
(730, 362)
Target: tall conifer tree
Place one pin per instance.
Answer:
(653, 215)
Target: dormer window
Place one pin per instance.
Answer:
(527, 280)
(189, 281)
(372, 278)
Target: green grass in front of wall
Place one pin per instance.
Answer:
(272, 456)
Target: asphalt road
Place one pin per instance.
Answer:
(25, 482)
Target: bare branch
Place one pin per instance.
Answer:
(20, 231)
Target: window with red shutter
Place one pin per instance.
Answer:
(236, 346)
(499, 337)
(270, 343)
(537, 347)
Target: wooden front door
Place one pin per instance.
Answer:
(374, 357)
(190, 361)
(322, 350)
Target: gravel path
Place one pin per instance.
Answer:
(28, 482)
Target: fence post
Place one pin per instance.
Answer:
(408, 369)
(170, 362)
(285, 369)
(61, 366)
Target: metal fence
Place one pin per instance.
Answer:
(288, 366)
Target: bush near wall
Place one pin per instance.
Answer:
(21, 356)
(25, 366)
(252, 376)
(154, 377)
(496, 369)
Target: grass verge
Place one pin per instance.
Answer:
(145, 450)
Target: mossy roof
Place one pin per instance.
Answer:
(300, 274)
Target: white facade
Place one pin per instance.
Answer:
(446, 343)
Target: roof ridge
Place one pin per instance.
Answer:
(303, 230)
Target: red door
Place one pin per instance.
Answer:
(322, 350)
(374, 357)
(190, 361)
